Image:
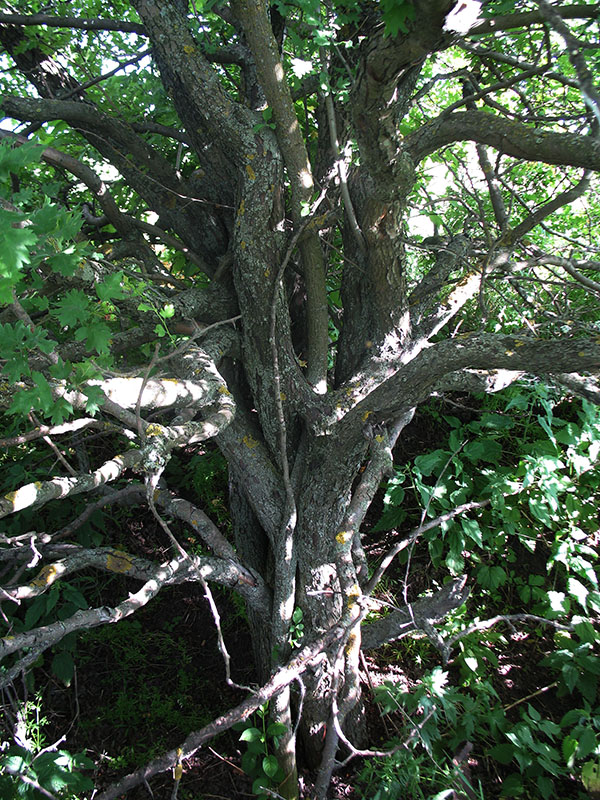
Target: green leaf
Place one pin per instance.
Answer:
(546, 786)
(34, 612)
(472, 530)
(97, 336)
(249, 762)
(587, 743)
(590, 776)
(95, 399)
(569, 748)
(429, 462)
(73, 308)
(251, 735)
(276, 729)
(578, 591)
(14, 253)
(14, 763)
(483, 450)
(503, 753)
(570, 675)
(512, 786)
(111, 287)
(270, 765)
(63, 667)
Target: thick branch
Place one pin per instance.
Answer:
(73, 22)
(416, 616)
(507, 22)
(416, 380)
(269, 68)
(35, 495)
(506, 136)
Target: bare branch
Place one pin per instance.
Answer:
(506, 136)
(35, 495)
(418, 615)
(40, 639)
(73, 22)
(506, 22)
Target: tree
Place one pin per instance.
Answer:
(281, 229)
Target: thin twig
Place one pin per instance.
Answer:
(221, 641)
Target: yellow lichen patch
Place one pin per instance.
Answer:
(224, 390)
(379, 438)
(154, 430)
(350, 644)
(250, 442)
(581, 353)
(267, 272)
(45, 576)
(188, 48)
(366, 415)
(510, 352)
(242, 207)
(118, 561)
(354, 593)
(520, 344)
(250, 171)
(343, 536)
(242, 245)
(282, 397)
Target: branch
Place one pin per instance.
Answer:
(73, 22)
(58, 430)
(416, 616)
(96, 186)
(586, 387)
(576, 57)
(259, 33)
(413, 536)
(506, 22)
(40, 639)
(510, 237)
(415, 381)
(35, 495)
(506, 136)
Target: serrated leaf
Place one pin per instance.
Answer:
(590, 776)
(570, 676)
(111, 287)
(587, 742)
(73, 308)
(14, 253)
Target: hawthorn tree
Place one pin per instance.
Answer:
(282, 229)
